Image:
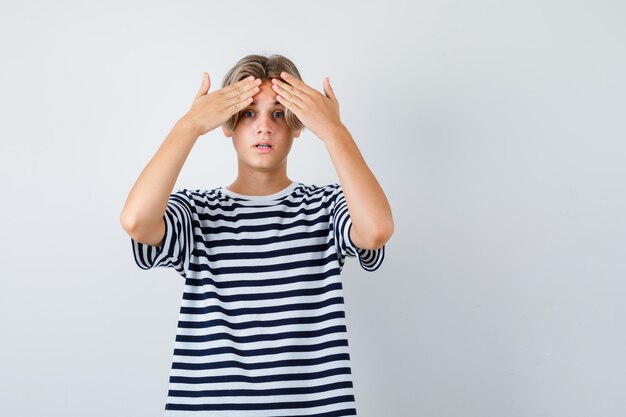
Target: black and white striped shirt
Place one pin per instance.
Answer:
(262, 324)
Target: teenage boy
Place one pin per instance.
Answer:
(262, 325)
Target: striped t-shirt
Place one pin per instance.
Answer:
(262, 324)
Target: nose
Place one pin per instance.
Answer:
(265, 123)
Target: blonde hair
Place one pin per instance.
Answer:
(264, 68)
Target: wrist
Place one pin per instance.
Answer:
(338, 133)
(186, 125)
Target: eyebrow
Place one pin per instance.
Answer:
(253, 103)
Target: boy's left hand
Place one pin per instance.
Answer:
(319, 113)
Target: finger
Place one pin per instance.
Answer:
(206, 84)
(290, 105)
(233, 88)
(288, 88)
(245, 97)
(239, 93)
(298, 83)
(289, 93)
(237, 106)
(241, 89)
(329, 90)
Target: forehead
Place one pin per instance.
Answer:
(266, 96)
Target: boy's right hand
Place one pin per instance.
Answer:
(209, 111)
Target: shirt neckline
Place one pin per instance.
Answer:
(279, 194)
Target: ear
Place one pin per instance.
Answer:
(296, 133)
(227, 133)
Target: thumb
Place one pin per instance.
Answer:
(329, 90)
(206, 84)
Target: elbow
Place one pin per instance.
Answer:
(386, 232)
(128, 222)
(382, 236)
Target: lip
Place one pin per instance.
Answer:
(263, 150)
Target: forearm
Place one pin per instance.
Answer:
(368, 206)
(147, 200)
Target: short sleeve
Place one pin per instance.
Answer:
(370, 259)
(175, 252)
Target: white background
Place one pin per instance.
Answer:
(495, 128)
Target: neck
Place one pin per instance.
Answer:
(259, 184)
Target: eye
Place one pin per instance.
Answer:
(246, 111)
(280, 113)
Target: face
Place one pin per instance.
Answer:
(263, 120)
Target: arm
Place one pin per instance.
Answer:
(142, 215)
(372, 221)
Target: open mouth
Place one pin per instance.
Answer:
(263, 146)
